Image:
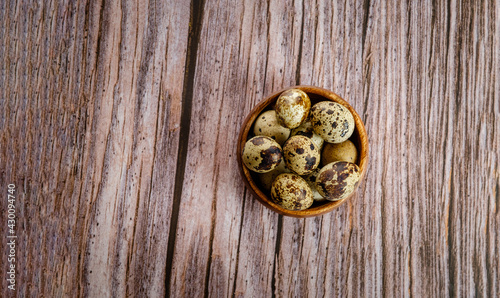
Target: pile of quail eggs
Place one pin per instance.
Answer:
(303, 154)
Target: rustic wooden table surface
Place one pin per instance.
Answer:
(118, 127)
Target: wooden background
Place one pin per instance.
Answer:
(118, 126)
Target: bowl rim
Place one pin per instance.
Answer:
(254, 188)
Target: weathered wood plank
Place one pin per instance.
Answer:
(233, 56)
(321, 256)
(225, 62)
(260, 234)
(90, 132)
(426, 102)
(407, 59)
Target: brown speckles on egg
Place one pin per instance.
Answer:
(311, 180)
(345, 130)
(306, 129)
(261, 154)
(269, 158)
(292, 108)
(257, 141)
(291, 192)
(334, 123)
(267, 125)
(307, 157)
(311, 163)
(337, 180)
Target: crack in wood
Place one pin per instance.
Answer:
(196, 17)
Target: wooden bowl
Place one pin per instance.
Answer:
(316, 94)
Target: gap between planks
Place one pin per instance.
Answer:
(195, 18)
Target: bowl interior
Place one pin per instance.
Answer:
(316, 94)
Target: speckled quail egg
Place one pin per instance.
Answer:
(301, 155)
(292, 107)
(267, 125)
(332, 121)
(306, 129)
(337, 180)
(266, 179)
(311, 180)
(345, 151)
(261, 154)
(291, 192)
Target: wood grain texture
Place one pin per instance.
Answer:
(119, 124)
(91, 97)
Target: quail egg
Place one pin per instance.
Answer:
(306, 129)
(301, 155)
(345, 151)
(261, 154)
(266, 179)
(311, 180)
(291, 192)
(332, 121)
(292, 108)
(267, 125)
(337, 180)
